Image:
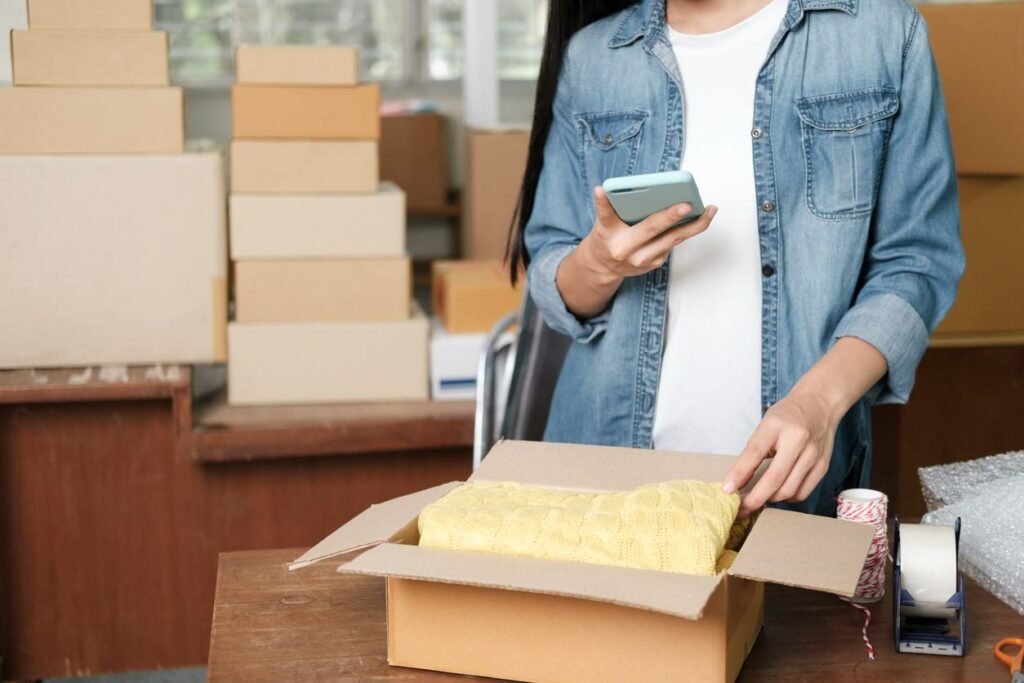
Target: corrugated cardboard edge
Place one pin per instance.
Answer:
(377, 524)
(805, 551)
(220, 319)
(678, 595)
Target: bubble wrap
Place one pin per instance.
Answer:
(947, 484)
(991, 535)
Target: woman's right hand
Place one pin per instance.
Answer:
(623, 250)
(614, 250)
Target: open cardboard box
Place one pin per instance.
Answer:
(544, 620)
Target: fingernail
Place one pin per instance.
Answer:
(729, 486)
(712, 212)
(683, 209)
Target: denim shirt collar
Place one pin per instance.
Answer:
(647, 18)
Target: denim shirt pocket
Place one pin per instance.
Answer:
(609, 143)
(844, 140)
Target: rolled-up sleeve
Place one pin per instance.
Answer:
(915, 257)
(562, 216)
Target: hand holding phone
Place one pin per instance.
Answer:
(637, 197)
(614, 249)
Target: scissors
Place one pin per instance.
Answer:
(1013, 661)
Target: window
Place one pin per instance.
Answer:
(204, 33)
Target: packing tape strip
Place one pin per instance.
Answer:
(927, 558)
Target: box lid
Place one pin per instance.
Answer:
(785, 547)
(374, 525)
(679, 595)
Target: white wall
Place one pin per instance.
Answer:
(12, 15)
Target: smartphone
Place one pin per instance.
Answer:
(636, 197)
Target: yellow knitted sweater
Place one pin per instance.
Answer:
(676, 526)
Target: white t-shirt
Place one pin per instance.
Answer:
(709, 395)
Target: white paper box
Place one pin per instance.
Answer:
(453, 363)
(325, 362)
(112, 259)
(294, 226)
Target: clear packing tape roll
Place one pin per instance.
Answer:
(927, 557)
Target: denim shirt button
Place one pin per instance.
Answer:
(674, 141)
(767, 205)
(767, 270)
(756, 133)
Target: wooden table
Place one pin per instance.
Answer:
(270, 624)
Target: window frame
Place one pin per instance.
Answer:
(415, 77)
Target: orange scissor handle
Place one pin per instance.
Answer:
(1014, 660)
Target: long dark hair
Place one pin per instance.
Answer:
(565, 17)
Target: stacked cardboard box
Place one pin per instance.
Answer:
(979, 50)
(469, 298)
(321, 277)
(495, 163)
(115, 244)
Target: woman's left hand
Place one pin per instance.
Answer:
(797, 433)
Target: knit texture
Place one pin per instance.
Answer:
(675, 526)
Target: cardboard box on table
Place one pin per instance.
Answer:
(989, 300)
(414, 155)
(91, 14)
(61, 57)
(495, 163)
(281, 226)
(296, 65)
(112, 259)
(979, 52)
(305, 112)
(323, 289)
(319, 362)
(304, 166)
(52, 120)
(543, 620)
(473, 295)
(453, 363)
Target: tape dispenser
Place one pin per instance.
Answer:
(929, 615)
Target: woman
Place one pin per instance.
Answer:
(816, 131)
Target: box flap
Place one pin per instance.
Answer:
(678, 595)
(797, 549)
(376, 524)
(595, 468)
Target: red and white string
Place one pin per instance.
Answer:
(869, 507)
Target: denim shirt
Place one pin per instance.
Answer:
(857, 210)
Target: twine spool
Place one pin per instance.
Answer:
(868, 507)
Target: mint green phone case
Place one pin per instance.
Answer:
(636, 197)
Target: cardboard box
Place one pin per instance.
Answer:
(495, 163)
(91, 120)
(989, 300)
(453, 363)
(414, 155)
(61, 57)
(318, 226)
(471, 296)
(322, 289)
(544, 620)
(979, 50)
(306, 112)
(328, 362)
(91, 14)
(297, 65)
(302, 166)
(112, 259)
